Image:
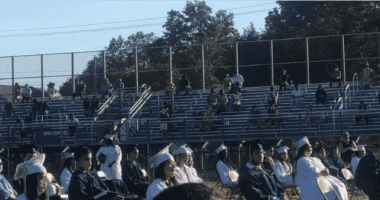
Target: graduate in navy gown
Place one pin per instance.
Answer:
(256, 182)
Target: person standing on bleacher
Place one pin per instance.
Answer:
(27, 94)
(320, 95)
(80, 90)
(106, 88)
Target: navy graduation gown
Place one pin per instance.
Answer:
(366, 178)
(256, 185)
(134, 179)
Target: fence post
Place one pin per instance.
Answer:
(72, 71)
(203, 68)
(170, 65)
(42, 76)
(95, 85)
(271, 63)
(307, 63)
(104, 64)
(13, 81)
(137, 71)
(237, 57)
(343, 61)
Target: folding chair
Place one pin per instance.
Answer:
(326, 187)
(347, 175)
(293, 188)
(232, 191)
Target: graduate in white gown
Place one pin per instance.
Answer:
(227, 174)
(110, 156)
(190, 170)
(308, 169)
(359, 155)
(35, 176)
(283, 169)
(68, 169)
(182, 155)
(164, 165)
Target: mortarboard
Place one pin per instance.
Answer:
(254, 145)
(220, 148)
(132, 147)
(80, 150)
(162, 157)
(283, 149)
(181, 150)
(152, 160)
(302, 142)
(361, 147)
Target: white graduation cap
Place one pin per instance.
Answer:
(283, 149)
(361, 147)
(181, 150)
(302, 142)
(220, 148)
(160, 158)
(36, 168)
(152, 161)
(109, 136)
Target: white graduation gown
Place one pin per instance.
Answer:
(65, 178)
(307, 172)
(22, 196)
(155, 188)
(283, 173)
(112, 154)
(180, 176)
(354, 163)
(192, 174)
(224, 171)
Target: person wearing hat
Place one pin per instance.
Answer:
(358, 156)
(6, 190)
(256, 182)
(68, 169)
(34, 175)
(85, 184)
(26, 152)
(133, 176)
(190, 170)
(227, 174)
(367, 174)
(283, 169)
(307, 169)
(164, 165)
(182, 155)
(110, 165)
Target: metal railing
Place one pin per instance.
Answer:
(346, 97)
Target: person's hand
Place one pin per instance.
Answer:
(12, 196)
(325, 172)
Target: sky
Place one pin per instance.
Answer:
(48, 27)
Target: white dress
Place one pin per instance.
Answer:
(112, 154)
(284, 173)
(307, 172)
(224, 171)
(22, 196)
(192, 174)
(65, 179)
(180, 176)
(354, 163)
(155, 188)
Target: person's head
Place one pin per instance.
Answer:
(120, 80)
(269, 151)
(222, 152)
(83, 159)
(362, 105)
(304, 148)
(283, 71)
(257, 151)
(321, 152)
(108, 142)
(26, 85)
(1, 165)
(164, 166)
(283, 154)
(183, 76)
(346, 135)
(367, 64)
(187, 191)
(181, 155)
(132, 152)
(336, 68)
(320, 87)
(335, 152)
(221, 91)
(227, 75)
(361, 151)
(271, 88)
(36, 182)
(69, 163)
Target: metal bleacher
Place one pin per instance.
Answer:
(144, 126)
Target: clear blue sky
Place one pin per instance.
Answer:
(45, 15)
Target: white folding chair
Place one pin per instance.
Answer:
(326, 187)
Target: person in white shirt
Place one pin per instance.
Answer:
(358, 156)
(307, 169)
(297, 96)
(283, 169)
(110, 156)
(227, 174)
(237, 82)
(68, 169)
(164, 165)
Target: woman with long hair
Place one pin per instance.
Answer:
(164, 165)
(336, 164)
(283, 169)
(307, 169)
(112, 154)
(67, 170)
(181, 155)
(227, 174)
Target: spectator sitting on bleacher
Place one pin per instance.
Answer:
(310, 119)
(320, 95)
(366, 75)
(226, 83)
(119, 84)
(80, 90)
(237, 82)
(18, 94)
(230, 103)
(106, 88)
(237, 101)
(273, 97)
(27, 94)
(93, 106)
(197, 121)
(73, 125)
(164, 118)
(284, 80)
(184, 85)
(170, 88)
(212, 100)
(362, 113)
(8, 111)
(222, 102)
(255, 117)
(169, 106)
(335, 76)
(272, 119)
(297, 96)
(43, 108)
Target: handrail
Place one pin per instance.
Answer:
(349, 94)
(340, 100)
(140, 99)
(353, 83)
